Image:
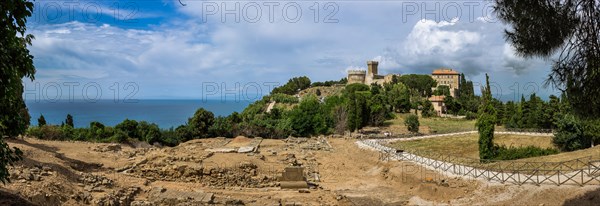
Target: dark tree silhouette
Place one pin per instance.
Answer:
(566, 30)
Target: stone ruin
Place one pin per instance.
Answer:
(293, 178)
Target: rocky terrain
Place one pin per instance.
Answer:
(245, 171)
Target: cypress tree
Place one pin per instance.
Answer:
(486, 123)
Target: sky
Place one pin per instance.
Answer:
(240, 50)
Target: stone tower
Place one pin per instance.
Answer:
(372, 68)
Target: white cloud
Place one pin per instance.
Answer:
(429, 38)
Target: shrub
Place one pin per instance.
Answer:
(284, 98)
(471, 115)
(427, 110)
(569, 135)
(41, 121)
(119, 136)
(200, 123)
(130, 127)
(513, 153)
(221, 128)
(412, 123)
(48, 132)
(69, 120)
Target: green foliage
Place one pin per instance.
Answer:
(200, 123)
(41, 121)
(570, 134)
(379, 112)
(567, 31)
(533, 113)
(15, 64)
(69, 120)
(293, 86)
(442, 90)
(222, 127)
(329, 83)
(412, 123)
(307, 119)
(486, 122)
(149, 132)
(427, 110)
(452, 106)
(399, 98)
(471, 115)
(8, 156)
(513, 153)
(421, 82)
(129, 127)
(284, 98)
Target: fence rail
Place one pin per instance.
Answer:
(580, 171)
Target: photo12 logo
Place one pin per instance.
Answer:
(87, 91)
(251, 91)
(269, 11)
(54, 11)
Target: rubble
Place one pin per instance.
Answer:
(107, 148)
(36, 173)
(118, 197)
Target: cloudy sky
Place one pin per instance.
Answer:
(193, 49)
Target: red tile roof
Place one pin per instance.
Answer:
(437, 98)
(444, 71)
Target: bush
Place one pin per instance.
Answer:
(427, 110)
(513, 153)
(130, 127)
(200, 122)
(41, 121)
(570, 135)
(412, 123)
(471, 115)
(284, 98)
(48, 132)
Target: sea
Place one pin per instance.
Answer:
(165, 113)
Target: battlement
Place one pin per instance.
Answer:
(357, 72)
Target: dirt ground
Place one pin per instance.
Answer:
(340, 173)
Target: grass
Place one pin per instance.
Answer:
(436, 125)
(463, 149)
(467, 146)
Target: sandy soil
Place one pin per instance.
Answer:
(79, 173)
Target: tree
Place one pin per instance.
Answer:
(41, 121)
(569, 28)
(307, 119)
(569, 134)
(293, 86)
(15, 64)
(200, 123)
(222, 127)
(452, 106)
(412, 123)
(399, 98)
(130, 127)
(443, 90)
(423, 83)
(69, 120)
(486, 122)
(427, 110)
(149, 132)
